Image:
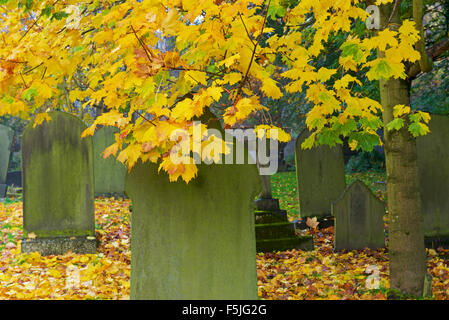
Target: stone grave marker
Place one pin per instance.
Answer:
(109, 174)
(58, 187)
(433, 168)
(321, 177)
(195, 240)
(6, 135)
(358, 217)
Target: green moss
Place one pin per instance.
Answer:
(58, 197)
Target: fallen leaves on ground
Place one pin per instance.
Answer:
(104, 275)
(293, 274)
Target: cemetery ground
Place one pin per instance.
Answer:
(292, 274)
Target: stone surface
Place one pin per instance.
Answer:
(358, 217)
(194, 241)
(433, 166)
(321, 178)
(275, 230)
(267, 204)
(3, 189)
(14, 178)
(264, 217)
(109, 173)
(58, 245)
(300, 243)
(6, 135)
(58, 193)
(266, 187)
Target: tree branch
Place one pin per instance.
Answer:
(434, 52)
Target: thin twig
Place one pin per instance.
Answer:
(247, 32)
(259, 38)
(35, 22)
(142, 44)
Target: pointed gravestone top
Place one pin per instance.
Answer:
(358, 219)
(321, 177)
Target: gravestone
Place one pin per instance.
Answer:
(433, 168)
(358, 217)
(195, 240)
(109, 174)
(6, 135)
(58, 193)
(320, 173)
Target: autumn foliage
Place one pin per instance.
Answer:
(165, 62)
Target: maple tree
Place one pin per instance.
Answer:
(113, 53)
(63, 53)
(407, 250)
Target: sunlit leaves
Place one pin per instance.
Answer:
(168, 64)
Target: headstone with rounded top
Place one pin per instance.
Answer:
(58, 187)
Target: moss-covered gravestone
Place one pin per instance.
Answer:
(58, 193)
(109, 173)
(6, 134)
(274, 232)
(433, 166)
(196, 240)
(358, 217)
(321, 178)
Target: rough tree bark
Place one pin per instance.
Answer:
(406, 231)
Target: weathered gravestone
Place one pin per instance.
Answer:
(196, 240)
(58, 193)
(321, 177)
(6, 134)
(358, 217)
(109, 173)
(433, 167)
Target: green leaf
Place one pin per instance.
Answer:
(418, 129)
(396, 124)
(276, 11)
(47, 11)
(351, 49)
(29, 94)
(60, 15)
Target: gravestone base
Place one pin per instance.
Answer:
(60, 245)
(437, 241)
(299, 243)
(3, 188)
(111, 194)
(324, 222)
(264, 217)
(267, 204)
(275, 233)
(275, 230)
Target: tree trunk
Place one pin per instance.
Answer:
(407, 252)
(406, 233)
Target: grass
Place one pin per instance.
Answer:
(284, 188)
